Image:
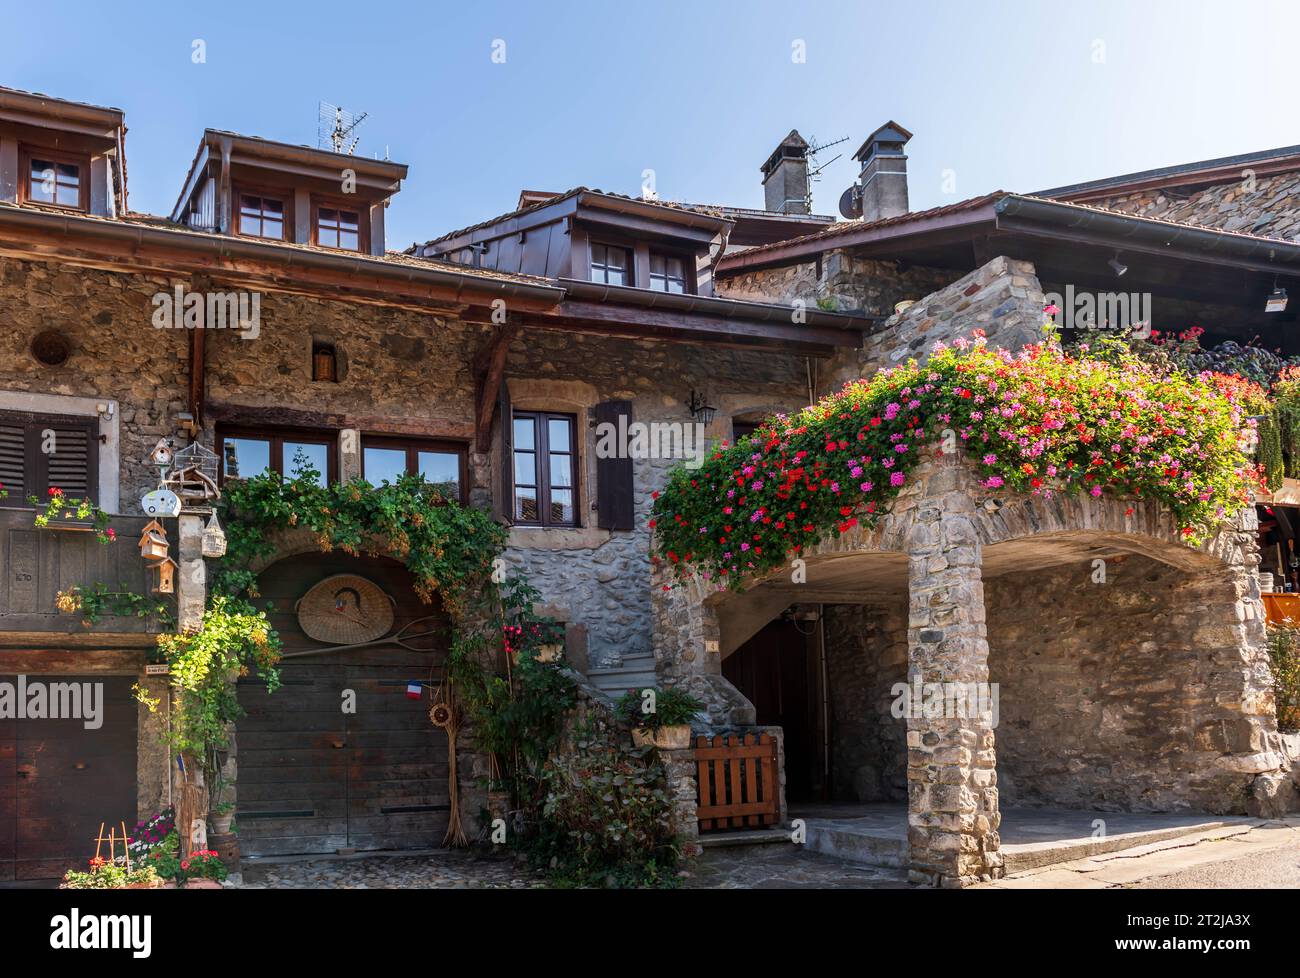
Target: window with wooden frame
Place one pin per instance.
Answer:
(39, 452)
(668, 273)
(338, 227)
(56, 179)
(545, 469)
(262, 216)
(443, 463)
(250, 451)
(610, 264)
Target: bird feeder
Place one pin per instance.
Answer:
(153, 542)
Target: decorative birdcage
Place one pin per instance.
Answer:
(193, 475)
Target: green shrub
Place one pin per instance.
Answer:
(1284, 650)
(607, 819)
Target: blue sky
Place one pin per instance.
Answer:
(1006, 95)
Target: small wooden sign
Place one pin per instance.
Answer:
(157, 669)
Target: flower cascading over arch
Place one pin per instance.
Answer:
(1041, 421)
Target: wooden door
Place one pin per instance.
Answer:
(771, 669)
(59, 781)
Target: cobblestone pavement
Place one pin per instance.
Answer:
(734, 868)
(443, 870)
(786, 867)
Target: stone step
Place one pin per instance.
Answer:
(857, 843)
(744, 837)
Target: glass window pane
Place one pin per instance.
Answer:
(615, 276)
(380, 465)
(561, 470)
(42, 185)
(250, 205)
(617, 258)
(245, 457)
(557, 435)
(349, 220)
(597, 253)
(656, 264)
(676, 285)
(524, 433)
(525, 469)
(675, 267)
(526, 505)
(443, 470)
(561, 505)
(328, 216)
(299, 456)
(272, 206)
(348, 240)
(272, 229)
(249, 225)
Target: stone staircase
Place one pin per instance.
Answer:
(635, 672)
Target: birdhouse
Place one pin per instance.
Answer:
(197, 466)
(153, 542)
(163, 576)
(162, 454)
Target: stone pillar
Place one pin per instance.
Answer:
(191, 574)
(681, 773)
(952, 782)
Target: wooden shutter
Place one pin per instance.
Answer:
(28, 469)
(503, 507)
(13, 461)
(615, 503)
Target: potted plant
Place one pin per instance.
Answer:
(60, 512)
(203, 870)
(659, 717)
(221, 817)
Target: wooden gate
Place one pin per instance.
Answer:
(737, 782)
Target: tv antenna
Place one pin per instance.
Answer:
(815, 171)
(335, 127)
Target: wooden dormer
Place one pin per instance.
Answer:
(61, 155)
(263, 190)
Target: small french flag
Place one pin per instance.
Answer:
(414, 689)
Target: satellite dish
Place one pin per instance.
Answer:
(851, 203)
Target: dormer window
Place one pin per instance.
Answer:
(338, 227)
(55, 180)
(610, 264)
(667, 273)
(261, 217)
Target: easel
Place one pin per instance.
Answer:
(112, 845)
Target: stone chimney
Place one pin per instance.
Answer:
(883, 180)
(785, 177)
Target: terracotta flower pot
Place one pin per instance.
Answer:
(201, 883)
(676, 737)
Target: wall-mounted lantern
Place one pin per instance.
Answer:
(700, 411)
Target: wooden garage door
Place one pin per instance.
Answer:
(314, 779)
(60, 781)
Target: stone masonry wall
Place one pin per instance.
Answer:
(400, 368)
(1266, 205)
(1003, 298)
(866, 654)
(846, 284)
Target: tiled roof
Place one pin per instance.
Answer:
(845, 227)
(556, 198)
(1112, 212)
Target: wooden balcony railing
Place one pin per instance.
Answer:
(38, 564)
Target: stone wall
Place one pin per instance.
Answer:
(846, 283)
(402, 370)
(1003, 298)
(1103, 689)
(866, 654)
(1266, 205)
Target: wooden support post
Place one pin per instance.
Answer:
(490, 365)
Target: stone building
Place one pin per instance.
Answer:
(487, 359)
